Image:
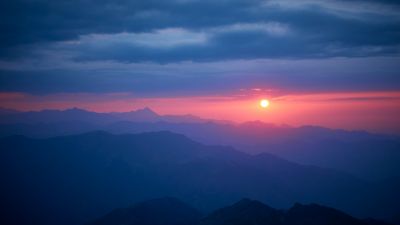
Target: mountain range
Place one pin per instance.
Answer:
(374, 157)
(73, 179)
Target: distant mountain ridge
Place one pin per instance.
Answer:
(310, 145)
(146, 114)
(171, 211)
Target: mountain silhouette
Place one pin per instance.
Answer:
(372, 157)
(251, 212)
(73, 179)
(171, 211)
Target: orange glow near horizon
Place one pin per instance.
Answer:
(371, 111)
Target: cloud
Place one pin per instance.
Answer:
(271, 28)
(163, 38)
(359, 9)
(199, 78)
(140, 30)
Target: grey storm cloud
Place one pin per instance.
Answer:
(318, 28)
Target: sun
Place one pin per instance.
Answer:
(264, 103)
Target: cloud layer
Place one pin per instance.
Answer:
(181, 46)
(202, 30)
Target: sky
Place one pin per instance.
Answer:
(331, 63)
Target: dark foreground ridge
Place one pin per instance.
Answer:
(171, 211)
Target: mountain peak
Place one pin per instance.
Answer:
(146, 110)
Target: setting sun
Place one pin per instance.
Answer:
(264, 103)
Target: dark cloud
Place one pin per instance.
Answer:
(31, 21)
(355, 39)
(318, 31)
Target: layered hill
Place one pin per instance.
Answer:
(77, 178)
